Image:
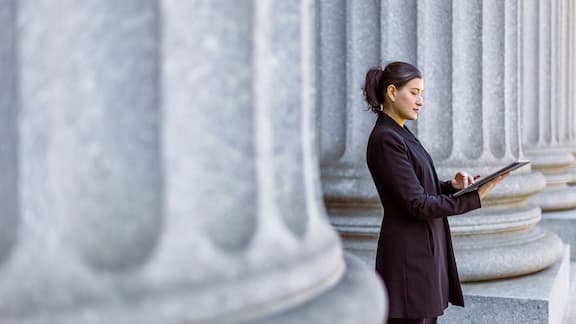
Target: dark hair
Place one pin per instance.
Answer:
(378, 80)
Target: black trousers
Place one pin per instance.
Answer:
(412, 320)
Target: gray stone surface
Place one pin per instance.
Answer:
(345, 175)
(9, 143)
(537, 298)
(545, 138)
(570, 313)
(506, 254)
(355, 294)
(154, 179)
(554, 163)
(491, 242)
(563, 223)
(344, 123)
(434, 38)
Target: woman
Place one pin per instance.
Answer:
(414, 256)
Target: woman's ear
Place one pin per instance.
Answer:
(391, 92)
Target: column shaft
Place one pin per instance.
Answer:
(9, 137)
(434, 58)
(545, 148)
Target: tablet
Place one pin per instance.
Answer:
(510, 167)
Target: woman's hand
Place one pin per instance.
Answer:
(485, 189)
(462, 180)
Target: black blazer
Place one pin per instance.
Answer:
(415, 257)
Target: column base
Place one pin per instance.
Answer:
(359, 228)
(538, 298)
(562, 223)
(552, 199)
(358, 297)
(504, 255)
(570, 313)
(361, 246)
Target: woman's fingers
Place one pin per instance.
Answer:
(485, 189)
(462, 179)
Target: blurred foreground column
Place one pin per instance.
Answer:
(170, 178)
(239, 114)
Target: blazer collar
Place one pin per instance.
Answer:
(387, 121)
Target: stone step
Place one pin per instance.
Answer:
(570, 314)
(537, 298)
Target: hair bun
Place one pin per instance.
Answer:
(378, 79)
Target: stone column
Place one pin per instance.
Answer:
(563, 83)
(495, 241)
(9, 143)
(462, 126)
(344, 122)
(571, 73)
(571, 95)
(554, 153)
(173, 178)
(89, 172)
(376, 32)
(545, 108)
(516, 241)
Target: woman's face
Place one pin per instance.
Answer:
(407, 101)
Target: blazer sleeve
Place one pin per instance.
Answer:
(389, 161)
(446, 187)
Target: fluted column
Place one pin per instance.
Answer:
(571, 75)
(554, 155)
(470, 121)
(344, 122)
(565, 67)
(254, 179)
(544, 85)
(376, 32)
(89, 173)
(169, 178)
(434, 58)
(502, 239)
(9, 141)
